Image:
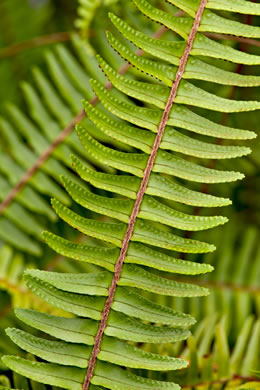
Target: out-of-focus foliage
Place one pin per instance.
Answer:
(50, 100)
(226, 337)
(23, 20)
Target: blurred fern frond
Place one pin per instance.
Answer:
(214, 359)
(52, 99)
(51, 106)
(234, 284)
(13, 28)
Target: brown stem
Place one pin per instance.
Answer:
(5, 310)
(65, 132)
(223, 285)
(43, 157)
(42, 40)
(61, 137)
(247, 41)
(140, 195)
(223, 381)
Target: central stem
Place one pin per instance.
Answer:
(140, 195)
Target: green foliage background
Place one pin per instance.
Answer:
(227, 332)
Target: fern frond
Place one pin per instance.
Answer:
(109, 306)
(211, 348)
(86, 12)
(47, 113)
(12, 266)
(18, 224)
(234, 288)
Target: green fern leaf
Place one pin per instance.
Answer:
(137, 254)
(111, 307)
(172, 51)
(158, 186)
(195, 69)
